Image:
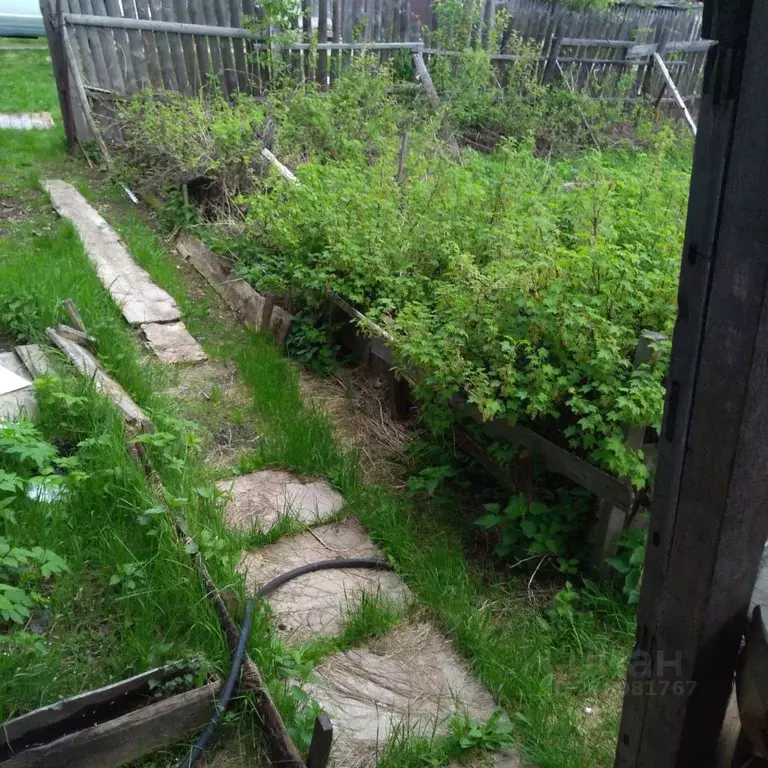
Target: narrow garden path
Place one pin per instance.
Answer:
(407, 679)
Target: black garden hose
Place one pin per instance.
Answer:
(239, 654)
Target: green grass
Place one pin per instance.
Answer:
(542, 667)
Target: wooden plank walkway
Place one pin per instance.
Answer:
(26, 121)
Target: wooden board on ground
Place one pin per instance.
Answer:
(18, 398)
(238, 295)
(173, 343)
(257, 311)
(126, 738)
(89, 367)
(27, 121)
(35, 360)
(139, 299)
(262, 499)
(315, 604)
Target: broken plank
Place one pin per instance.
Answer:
(238, 295)
(126, 738)
(283, 170)
(173, 343)
(74, 335)
(74, 315)
(35, 360)
(139, 299)
(672, 87)
(79, 706)
(89, 367)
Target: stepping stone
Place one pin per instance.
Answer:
(139, 299)
(27, 121)
(315, 604)
(17, 393)
(409, 679)
(173, 343)
(263, 498)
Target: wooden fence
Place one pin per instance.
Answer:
(112, 47)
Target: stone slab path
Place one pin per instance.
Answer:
(26, 121)
(409, 679)
(261, 499)
(315, 605)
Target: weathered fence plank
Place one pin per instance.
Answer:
(150, 45)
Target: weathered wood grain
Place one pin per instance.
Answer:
(139, 299)
(126, 738)
(90, 368)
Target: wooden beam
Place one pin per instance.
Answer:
(675, 93)
(82, 705)
(322, 740)
(708, 516)
(53, 31)
(126, 738)
(74, 315)
(35, 360)
(90, 368)
(283, 170)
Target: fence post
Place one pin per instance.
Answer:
(611, 521)
(322, 37)
(53, 21)
(554, 52)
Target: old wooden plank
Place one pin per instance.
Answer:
(201, 43)
(140, 300)
(176, 49)
(662, 67)
(154, 71)
(109, 47)
(135, 45)
(84, 48)
(707, 526)
(221, 8)
(73, 334)
(126, 738)
(283, 170)
(236, 19)
(37, 362)
(238, 295)
(123, 47)
(79, 705)
(194, 81)
(94, 43)
(90, 368)
(60, 69)
(322, 37)
(163, 47)
(214, 43)
(322, 739)
(74, 315)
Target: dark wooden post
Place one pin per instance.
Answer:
(550, 69)
(322, 740)
(322, 38)
(53, 30)
(710, 507)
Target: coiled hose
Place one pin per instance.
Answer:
(242, 644)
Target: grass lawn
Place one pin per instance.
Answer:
(552, 657)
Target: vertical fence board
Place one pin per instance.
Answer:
(110, 47)
(136, 47)
(209, 13)
(322, 37)
(110, 77)
(197, 16)
(236, 17)
(150, 46)
(123, 48)
(175, 48)
(84, 48)
(222, 16)
(194, 81)
(163, 48)
(306, 25)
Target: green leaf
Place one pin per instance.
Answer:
(618, 563)
(529, 528)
